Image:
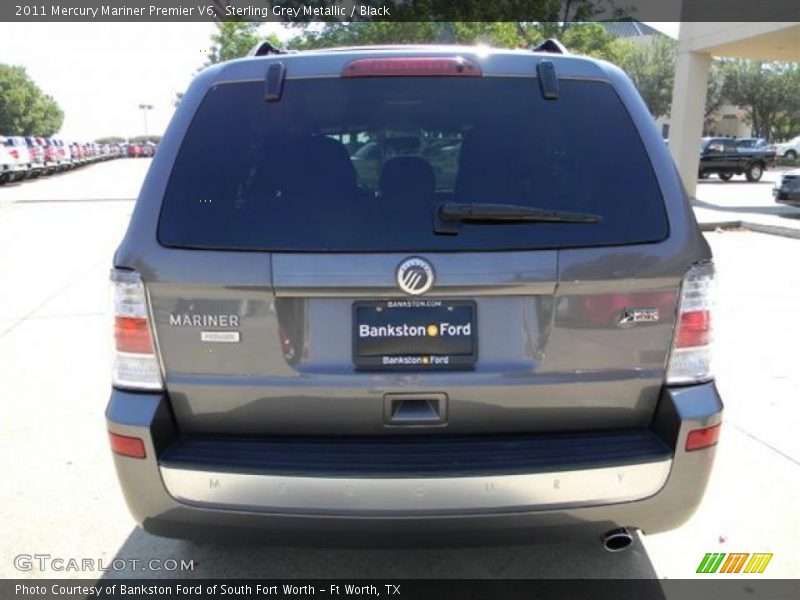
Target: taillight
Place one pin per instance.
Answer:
(132, 334)
(136, 364)
(690, 359)
(14, 153)
(694, 329)
(448, 66)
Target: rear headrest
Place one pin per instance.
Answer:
(319, 164)
(407, 175)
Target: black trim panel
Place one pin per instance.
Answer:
(411, 456)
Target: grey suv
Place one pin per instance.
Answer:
(498, 330)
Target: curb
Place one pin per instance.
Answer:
(714, 225)
(789, 232)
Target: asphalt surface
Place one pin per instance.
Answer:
(738, 202)
(60, 498)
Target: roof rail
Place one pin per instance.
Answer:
(265, 48)
(552, 46)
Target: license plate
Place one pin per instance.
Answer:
(415, 334)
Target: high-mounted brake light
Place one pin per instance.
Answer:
(690, 359)
(454, 66)
(136, 364)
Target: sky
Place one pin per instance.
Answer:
(100, 73)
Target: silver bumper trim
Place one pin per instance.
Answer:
(415, 495)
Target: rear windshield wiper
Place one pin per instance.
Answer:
(451, 214)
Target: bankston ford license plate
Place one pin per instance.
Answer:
(414, 333)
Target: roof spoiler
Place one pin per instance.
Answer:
(551, 46)
(265, 48)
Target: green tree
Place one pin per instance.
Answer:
(787, 124)
(651, 66)
(652, 69)
(365, 34)
(580, 38)
(590, 39)
(141, 139)
(715, 96)
(232, 39)
(767, 91)
(111, 139)
(24, 108)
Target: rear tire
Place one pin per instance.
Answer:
(725, 176)
(754, 172)
(703, 175)
(790, 154)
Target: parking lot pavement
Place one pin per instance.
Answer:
(734, 202)
(61, 498)
(750, 505)
(113, 180)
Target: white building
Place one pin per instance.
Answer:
(697, 43)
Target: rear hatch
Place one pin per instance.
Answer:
(305, 228)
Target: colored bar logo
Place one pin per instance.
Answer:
(736, 562)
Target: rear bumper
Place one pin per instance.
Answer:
(653, 493)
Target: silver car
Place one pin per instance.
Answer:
(499, 332)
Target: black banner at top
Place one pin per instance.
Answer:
(398, 10)
(399, 589)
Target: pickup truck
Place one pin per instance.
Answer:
(728, 157)
(14, 159)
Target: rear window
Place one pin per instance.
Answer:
(359, 165)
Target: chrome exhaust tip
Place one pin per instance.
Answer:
(617, 540)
